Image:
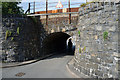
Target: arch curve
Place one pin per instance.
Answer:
(55, 42)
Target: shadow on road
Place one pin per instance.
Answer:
(60, 55)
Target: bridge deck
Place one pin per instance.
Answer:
(52, 14)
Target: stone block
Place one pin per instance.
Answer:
(96, 37)
(116, 54)
(114, 37)
(105, 75)
(99, 28)
(98, 73)
(8, 24)
(12, 24)
(108, 61)
(118, 74)
(113, 28)
(84, 71)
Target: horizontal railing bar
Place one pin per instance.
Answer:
(52, 2)
(39, 4)
(75, 4)
(39, 8)
(52, 14)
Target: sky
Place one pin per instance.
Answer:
(41, 4)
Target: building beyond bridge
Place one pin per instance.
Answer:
(58, 11)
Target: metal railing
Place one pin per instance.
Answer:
(34, 6)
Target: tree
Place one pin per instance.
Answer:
(11, 8)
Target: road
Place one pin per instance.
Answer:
(52, 67)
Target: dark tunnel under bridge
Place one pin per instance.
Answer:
(56, 43)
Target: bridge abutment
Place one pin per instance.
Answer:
(97, 44)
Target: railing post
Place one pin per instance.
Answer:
(46, 13)
(28, 11)
(29, 8)
(34, 8)
(69, 11)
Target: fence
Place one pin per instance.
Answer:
(48, 6)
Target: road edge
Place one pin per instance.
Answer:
(67, 66)
(73, 71)
(26, 62)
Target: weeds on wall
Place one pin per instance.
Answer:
(81, 50)
(84, 4)
(84, 48)
(79, 33)
(105, 35)
(12, 38)
(18, 30)
(8, 34)
(117, 19)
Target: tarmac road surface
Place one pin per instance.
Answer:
(52, 67)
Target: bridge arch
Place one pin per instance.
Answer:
(56, 42)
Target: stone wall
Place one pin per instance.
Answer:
(59, 20)
(58, 23)
(97, 52)
(0, 35)
(20, 38)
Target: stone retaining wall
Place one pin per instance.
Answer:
(98, 56)
(20, 38)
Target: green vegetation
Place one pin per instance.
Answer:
(11, 8)
(105, 35)
(79, 33)
(18, 30)
(117, 19)
(84, 48)
(84, 4)
(8, 34)
(80, 50)
(12, 38)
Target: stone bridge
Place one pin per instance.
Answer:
(96, 39)
(94, 32)
(58, 32)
